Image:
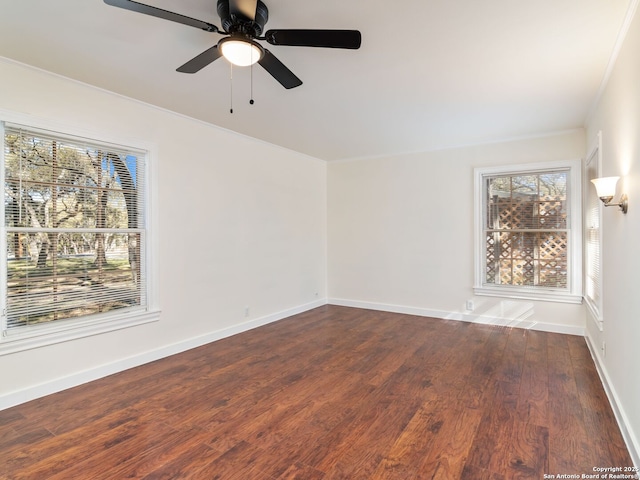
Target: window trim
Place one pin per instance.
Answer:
(573, 294)
(71, 329)
(595, 308)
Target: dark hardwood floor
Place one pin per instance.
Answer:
(332, 393)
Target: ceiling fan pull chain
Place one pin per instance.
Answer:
(231, 87)
(251, 102)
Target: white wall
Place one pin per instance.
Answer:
(617, 115)
(240, 223)
(400, 233)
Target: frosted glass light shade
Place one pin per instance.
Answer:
(241, 53)
(606, 186)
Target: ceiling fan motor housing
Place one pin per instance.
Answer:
(239, 23)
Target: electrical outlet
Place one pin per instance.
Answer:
(604, 349)
(469, 305)
(246, 311)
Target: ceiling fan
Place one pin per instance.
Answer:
(243, 22)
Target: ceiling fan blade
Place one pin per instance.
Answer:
(198, 63)
(246, 8)
(278, 70)
(160, 13)
(315, 38)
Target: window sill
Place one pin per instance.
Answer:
(528, 294)
(51, 334)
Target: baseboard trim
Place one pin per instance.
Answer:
(514, 314)
(630, 439)
(31, 393)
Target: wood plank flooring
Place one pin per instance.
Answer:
(334, 393)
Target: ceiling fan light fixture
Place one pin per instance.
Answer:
(241, 52)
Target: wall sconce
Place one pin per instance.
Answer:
(606, 190)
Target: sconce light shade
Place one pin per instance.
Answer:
(606, 190)
(606, 186)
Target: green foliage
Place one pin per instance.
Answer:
(53, 185)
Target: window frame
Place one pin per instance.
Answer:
(69, 329)
(573, 292)
(591, 198)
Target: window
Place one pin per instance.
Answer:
(75, 236)
(528, 232)
(593, 238)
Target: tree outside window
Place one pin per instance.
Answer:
(74, 228)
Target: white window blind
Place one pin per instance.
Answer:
(74, 222)
(593, 235)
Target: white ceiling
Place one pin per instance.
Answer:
(430, 74)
